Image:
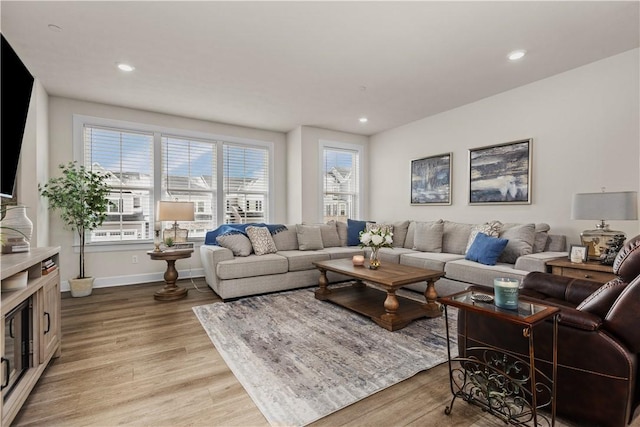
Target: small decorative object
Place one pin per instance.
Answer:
(431, 180)
(375, 238)
(578, 253)
(358, 260)
(500, 174)
(620, 205)
(168, 242)
(614, 246)
(157, 241)
(482, 298)
(506, 292)
(15, 229)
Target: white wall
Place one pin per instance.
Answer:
(585, 129)
(33, 166)
(116, 268)
(303, 156)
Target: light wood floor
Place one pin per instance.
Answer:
(128, 359)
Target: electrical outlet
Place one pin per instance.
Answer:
(134, 259)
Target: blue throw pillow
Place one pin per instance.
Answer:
(353, 231)
(486, 249)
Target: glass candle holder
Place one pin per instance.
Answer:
(506, 292)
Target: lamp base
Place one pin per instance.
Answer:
(176, 234)
(600, 240)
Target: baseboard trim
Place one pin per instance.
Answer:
(135, 279)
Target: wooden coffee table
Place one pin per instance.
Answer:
(382, 307)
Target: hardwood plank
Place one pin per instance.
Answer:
(129, 359)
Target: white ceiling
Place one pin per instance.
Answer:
(279, 65)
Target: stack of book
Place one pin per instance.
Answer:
(48, 266)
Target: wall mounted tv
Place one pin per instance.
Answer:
(15, 94)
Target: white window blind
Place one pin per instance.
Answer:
(246, 183)
(189, 175)
(341, 184)
(126, 157)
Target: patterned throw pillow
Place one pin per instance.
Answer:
(374, 225)
(238, 243)
(491, 228)
(261, 240)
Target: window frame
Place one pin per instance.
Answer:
(80, 121)
(342, 146)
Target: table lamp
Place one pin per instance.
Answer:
(175, 211)
(621, 205)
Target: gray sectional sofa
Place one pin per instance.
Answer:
(439, 245)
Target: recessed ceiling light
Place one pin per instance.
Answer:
(126, 67)
(516, 54)
(363, 120)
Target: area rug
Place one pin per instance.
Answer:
(301, 359)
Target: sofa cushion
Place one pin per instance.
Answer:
(600, 301)
(467, 271)
(343, 252)
(490, 228)
(409, 241)
(428, 236)
(261, 240)
(341, 227)
(521, 238)
(286, 240)
(429, 260)
(239, 244)
(391, 255)
(250, 266)
(486, 249)
(400, 229)
(354, 228)
(455, 237)
(302, 260)
(309, 237)
(541, 237)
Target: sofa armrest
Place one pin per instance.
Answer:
(561, 288)
(537, 262)
(211, 255)
(579, 319)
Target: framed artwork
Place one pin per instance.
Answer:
(431, 180)
(578, 253)
(500, 174)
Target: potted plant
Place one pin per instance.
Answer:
(80, 195)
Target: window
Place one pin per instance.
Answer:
(246, 183)
(340, 181)
(227, 178)
(189, 175)
(126, 158)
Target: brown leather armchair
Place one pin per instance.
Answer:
(598, 340)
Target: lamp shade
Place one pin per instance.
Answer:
(175, 211)
(621, 205)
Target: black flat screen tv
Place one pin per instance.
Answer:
(15, 93)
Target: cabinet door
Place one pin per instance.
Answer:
(49, 316)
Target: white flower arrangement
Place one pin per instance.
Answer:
(376, 238)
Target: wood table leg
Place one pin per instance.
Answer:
(358, 284)
(323, 292)
(431, 306)
(170, 292)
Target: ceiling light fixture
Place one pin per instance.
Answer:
(517, 54)
(363, 120)
(54, 28)
(126, 67)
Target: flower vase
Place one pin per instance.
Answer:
(374, 261)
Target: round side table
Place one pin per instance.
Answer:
(170, 291)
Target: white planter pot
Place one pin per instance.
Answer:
(81, 287)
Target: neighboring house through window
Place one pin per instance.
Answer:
(341, 181)
(144, 164)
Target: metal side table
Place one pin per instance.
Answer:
(501, 382)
